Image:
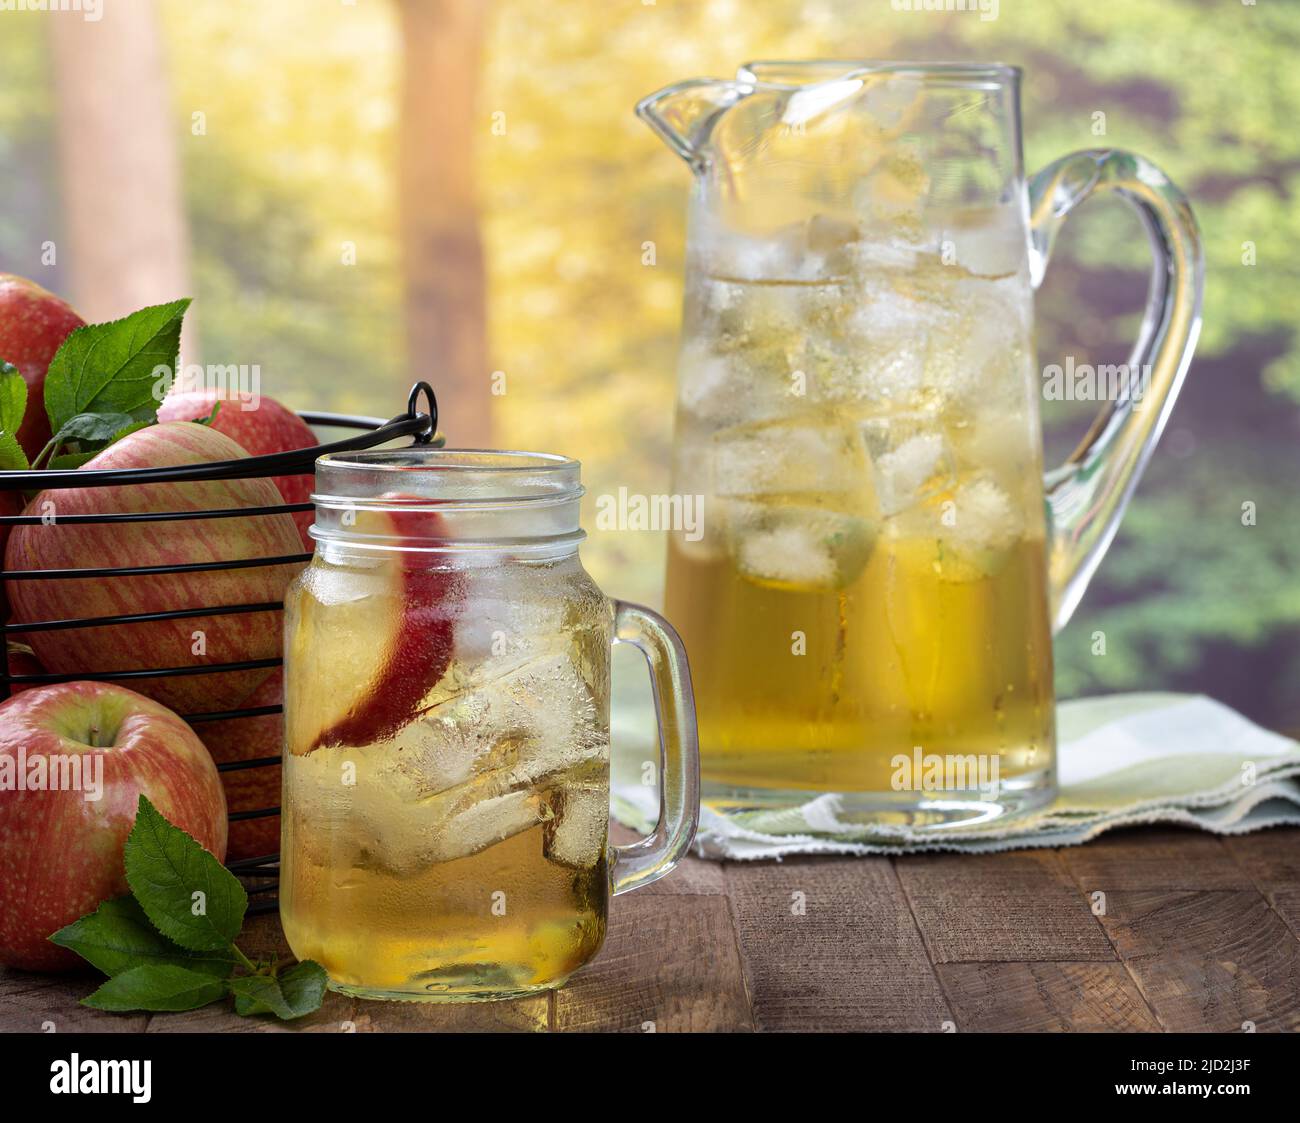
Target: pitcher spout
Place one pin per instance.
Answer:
(684, 114)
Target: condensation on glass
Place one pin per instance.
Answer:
(446, 777)
(869, 610)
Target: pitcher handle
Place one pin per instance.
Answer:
(1087, 495)
(679, 749)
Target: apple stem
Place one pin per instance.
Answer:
(44, 454)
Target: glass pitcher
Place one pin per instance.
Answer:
(869, 607)
(446, 765)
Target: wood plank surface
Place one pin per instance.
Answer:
(1272, 861)
(1018, 907)
(1034, 997)
(831, 945)
(39, 1003)
(1193, 928)
(1154, 858)
(519, 1015)
(1141, 930)
(670, 964)
(1208, 959)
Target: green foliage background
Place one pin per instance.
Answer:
(298, 158)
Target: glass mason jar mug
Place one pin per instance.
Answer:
(870, 606)
(446, 763)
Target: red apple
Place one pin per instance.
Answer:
(250, 789)
(33, 323)
(11, 503)
(404, 631)
(61, 852)
(183, 642)
(264, 428)
(21, 661)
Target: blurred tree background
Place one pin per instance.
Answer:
(307, 174)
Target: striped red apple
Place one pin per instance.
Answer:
(33, 323)
(11, 503)
(259, 427)
(183, 642)
(60, 851)
(21, 661)
(250, 789)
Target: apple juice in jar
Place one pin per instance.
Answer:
(446, 776)
(872, 576)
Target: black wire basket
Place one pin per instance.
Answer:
(259, 873)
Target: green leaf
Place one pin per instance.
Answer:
(304, 986)
(13, 398)
(12, 457)
(298, 991)
(13, 405)
(117, 936)
(95, 427)
(69, 461)
(109, 368)
(188, 895)
(258, 994)
(157, 986)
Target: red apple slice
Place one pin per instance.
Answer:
(375, 658)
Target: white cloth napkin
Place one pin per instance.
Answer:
(1122, 760)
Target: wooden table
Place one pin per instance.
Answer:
(1140, 930)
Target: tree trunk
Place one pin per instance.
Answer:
(127, 240)
(446, 323)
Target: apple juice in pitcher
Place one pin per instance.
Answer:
(873, 520)
(869, 607)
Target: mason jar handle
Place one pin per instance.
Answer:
(679, 749)
(1087, 495)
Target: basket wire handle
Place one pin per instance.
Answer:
(424, 436)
